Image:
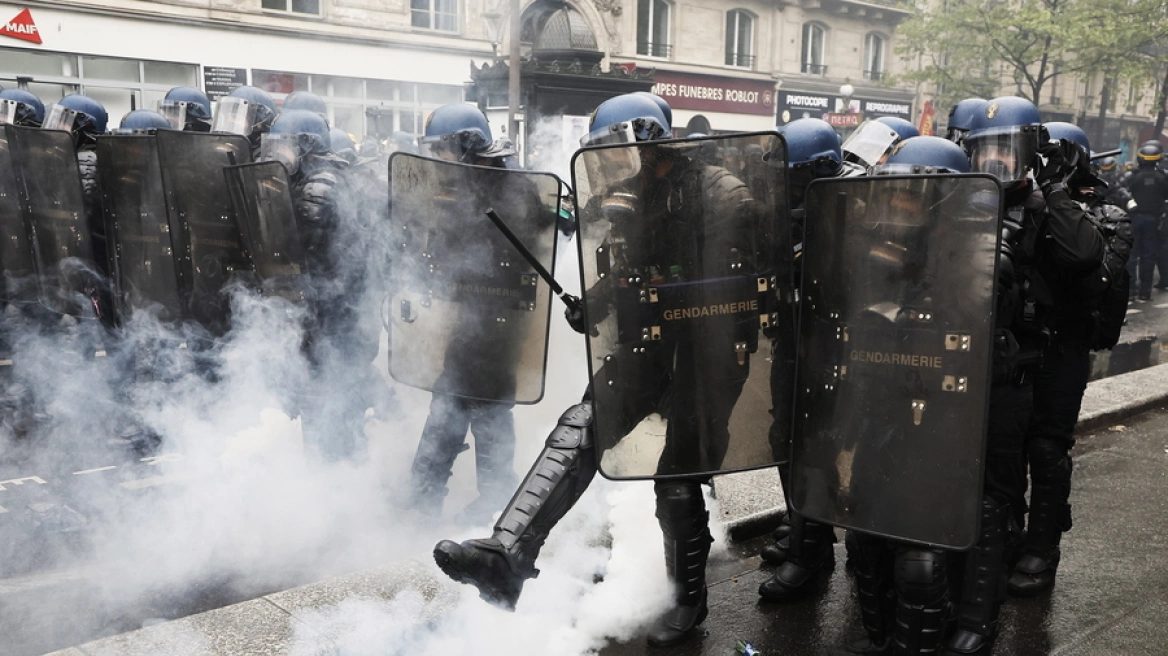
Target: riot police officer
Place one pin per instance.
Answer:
(903, 588)
(803, 551)
(187, 108)
(247, 111)
(499, 565)
(1148, 186)
(1074, 325)
(85, 118)
(19, 107)
(1048, 244)
(337, 348)
(960, 118)
(460, 133)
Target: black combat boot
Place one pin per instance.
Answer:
(499, 565)
(984, 586)
(810, 560)
(776, 552)
(1050, 516)
(681, 511)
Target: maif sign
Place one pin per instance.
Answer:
(21, 27)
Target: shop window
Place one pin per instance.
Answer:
(440, 15)
(279, 82)
(814, 36)
(343, 87)
(25, 63)
(311, 7)
(739, 39)
(436, 94)
(175, 75)
(108, 68)
(873, 57)
(653, 28)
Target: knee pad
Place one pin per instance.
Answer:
(921, 576)
(681, 509)
(574, 429)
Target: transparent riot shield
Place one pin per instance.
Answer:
(262, 197)
(138, 228)
(685, 252)
(895, 342)
(468, 314)
(49, 187)
(209, 244)
(16, 254)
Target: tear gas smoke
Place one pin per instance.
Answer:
(233, 504)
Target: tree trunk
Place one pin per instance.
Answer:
(1160, 102)
(1104, 104)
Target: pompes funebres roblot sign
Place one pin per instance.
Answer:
(715, 93)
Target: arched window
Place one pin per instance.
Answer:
(653, 28)
(873, 56)
(814, 36)
(739, 39)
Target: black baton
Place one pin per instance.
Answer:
(1107, 153)
(568, 299)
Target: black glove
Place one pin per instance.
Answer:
(574, 313)
(1062, 159)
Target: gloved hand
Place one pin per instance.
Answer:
(574, 313)
(1062, 158)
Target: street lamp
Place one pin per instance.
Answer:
(846, 92)
(494, 21)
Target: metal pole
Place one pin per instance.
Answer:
(513, 65)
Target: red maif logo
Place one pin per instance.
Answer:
(21, 28)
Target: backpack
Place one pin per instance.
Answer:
(1106, 288)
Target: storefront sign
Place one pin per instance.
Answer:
(797, 104)
(21, 27)
(218, 81)
(837, 120)
(878, 108)
(715, 93)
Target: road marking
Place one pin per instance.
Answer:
(94, 471)
(4, 510)
(22, 481)
(1133, 311)
(1160, 305)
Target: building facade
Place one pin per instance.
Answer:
(382, 65)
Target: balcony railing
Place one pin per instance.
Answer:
(740, 60)
(875, 76)
(815, 69)
(654, 49)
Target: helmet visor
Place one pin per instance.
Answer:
(456, 147)
(8, 109)
(869, 143)
(235, 116)
(175, 111)
(638, 129)
(61, 118)
(1006, 154)
(282, 148)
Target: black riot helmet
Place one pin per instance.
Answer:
(458, 132)
(79, 115)
(142, 121)
(1004, 138)
(247, 111)
(19, 107)
(296, 134)
(1150, 153)
(187, 108)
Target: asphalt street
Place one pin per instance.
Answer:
(1111, 596)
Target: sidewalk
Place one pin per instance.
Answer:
(1111, 597)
